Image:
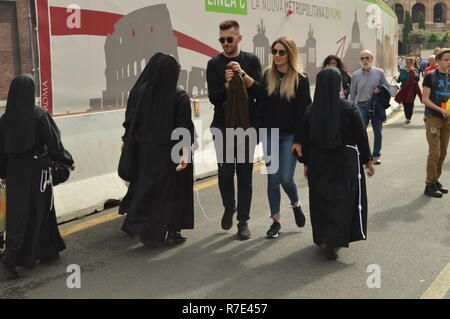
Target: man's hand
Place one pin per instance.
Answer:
(73, 166)
(305, 171)
(297, 149)
(235, 67)
(4, 181)
(229, 74)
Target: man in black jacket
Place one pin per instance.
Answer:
(220, 72)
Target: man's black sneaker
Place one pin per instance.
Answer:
(274, 230)
(441, 188)
(432, 191)
(174, 238)
(300, 218)
(227, 219)
(10, 271)
(243, 231)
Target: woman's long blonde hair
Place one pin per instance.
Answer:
(289, 83)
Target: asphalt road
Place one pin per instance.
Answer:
(408, 241)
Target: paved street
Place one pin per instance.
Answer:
(408, 238)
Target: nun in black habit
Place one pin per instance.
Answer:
(160, 203)
(334, 148)
(132, 107)
(27, 130)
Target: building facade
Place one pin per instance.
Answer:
(16, 45)
(435, 12)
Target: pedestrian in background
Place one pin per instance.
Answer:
(365, 83)
(333, 60)
(409, 89)
(27, 135)
(423, 65)
(402, 63)
(285, 94)
(432, 65)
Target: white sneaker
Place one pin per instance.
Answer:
(376, 161)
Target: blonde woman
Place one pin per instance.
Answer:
(285, 94)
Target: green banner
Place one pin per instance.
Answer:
(227, 6)
(383, 7)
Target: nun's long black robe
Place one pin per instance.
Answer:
(32, 230)
(161, 199)
(335, 192)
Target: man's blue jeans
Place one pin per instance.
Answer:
(377, 126)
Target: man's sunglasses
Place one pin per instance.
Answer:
(279, 52)
(229, 40)
(365, 58)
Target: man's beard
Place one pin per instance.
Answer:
(366, 65)
(231, 50)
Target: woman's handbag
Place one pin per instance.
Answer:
(393, 88)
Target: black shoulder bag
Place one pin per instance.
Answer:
(128, 163)
(59, 172)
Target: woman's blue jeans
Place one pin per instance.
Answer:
(284, 176)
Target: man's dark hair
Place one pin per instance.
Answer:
(441, 53)
(229, 24)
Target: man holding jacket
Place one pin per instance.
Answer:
(220, 71)
(365, 82)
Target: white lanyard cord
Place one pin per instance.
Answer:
(360, 187)
(196, 187)
(46, 180)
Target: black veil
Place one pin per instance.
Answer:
(326, 110)
(19, 124)
(156, 119)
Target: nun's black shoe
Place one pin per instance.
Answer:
(151, 243)
(10, 271)
(328, 251)
(175, 238)
(49, 260)
(441, 188)
(227, 219)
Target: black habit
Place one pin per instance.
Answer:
(335, 147)
(161, 199)
(32, 230)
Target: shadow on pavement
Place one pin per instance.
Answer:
(409, 213)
